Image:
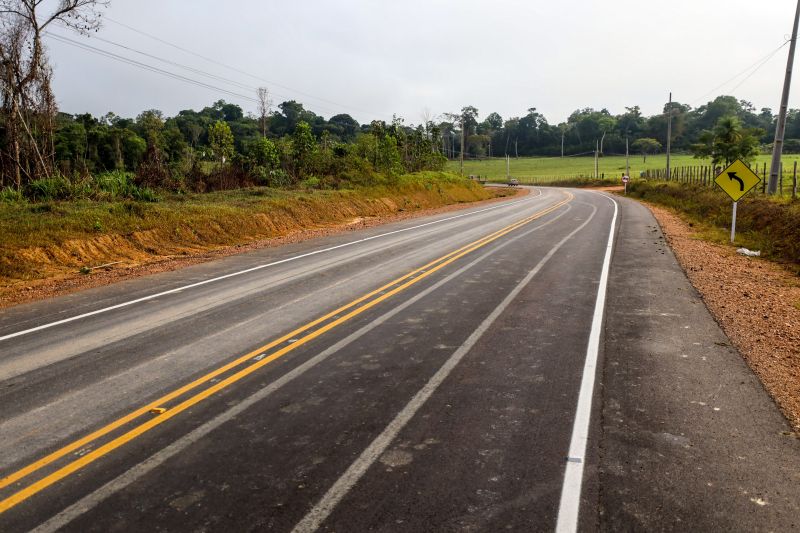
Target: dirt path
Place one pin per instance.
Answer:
(20, 292)
(756, 301)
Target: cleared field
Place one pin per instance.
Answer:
(555, 168)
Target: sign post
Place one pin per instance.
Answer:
(625, 180)
(737, 180)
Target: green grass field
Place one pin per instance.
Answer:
(546, 169)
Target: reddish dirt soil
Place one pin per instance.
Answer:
(48, 288)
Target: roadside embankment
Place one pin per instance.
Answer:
(756, 301)
(54, 247)
(762, 223)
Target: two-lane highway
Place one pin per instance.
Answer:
(348, 384)
(449, 373)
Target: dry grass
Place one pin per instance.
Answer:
(56, 239)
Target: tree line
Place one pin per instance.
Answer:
(588, 129)
(44, 153)
(280, 148)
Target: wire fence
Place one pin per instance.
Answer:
(705, 175)
(702, 175)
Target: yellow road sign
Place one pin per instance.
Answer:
(737, 180)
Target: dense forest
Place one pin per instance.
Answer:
(221, 147)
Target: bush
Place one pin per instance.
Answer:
(310, 183)
(55, 188)
(10, 194)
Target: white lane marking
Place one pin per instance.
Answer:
(317, 515)
(90, 501)
(246, 271)
(569, 506)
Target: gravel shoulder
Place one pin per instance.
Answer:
(757, 303)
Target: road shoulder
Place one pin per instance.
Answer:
(756, 301)
(689, 438)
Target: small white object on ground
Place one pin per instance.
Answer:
(749, 253)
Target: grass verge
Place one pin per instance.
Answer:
(51, 239)
(768, 224)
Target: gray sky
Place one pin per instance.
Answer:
(372, 58)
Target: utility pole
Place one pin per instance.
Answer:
(669, 132)
(462, 145)
(780, 130)
(508, 167)
(627, 158)
(596, 159)
(562, 142)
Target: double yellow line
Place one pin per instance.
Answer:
(352, 309)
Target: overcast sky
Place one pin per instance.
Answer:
(373, 58)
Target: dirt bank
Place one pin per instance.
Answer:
(43, 271)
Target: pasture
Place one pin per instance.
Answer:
(545, 169)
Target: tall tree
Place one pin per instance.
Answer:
(220, 139)
(28, 106)
(264, 107)
(728, 141)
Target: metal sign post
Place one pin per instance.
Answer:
(737, 180)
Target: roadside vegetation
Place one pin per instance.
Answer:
(54, 238)
(762, 223)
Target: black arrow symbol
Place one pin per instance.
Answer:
(732, 176)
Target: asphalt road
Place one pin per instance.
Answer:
(451, 373)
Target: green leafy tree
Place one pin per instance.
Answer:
(262, 152)
(728, 141)
(646, 146)
(303, 147)
(220, 139)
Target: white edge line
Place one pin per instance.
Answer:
(320, 512)
(246, 271)
(569, 506)
(160, 457)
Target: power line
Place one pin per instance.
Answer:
(175, 64)
(145, 66)
(758, 64)
(757, 69)
(234, 69)
(166, 61)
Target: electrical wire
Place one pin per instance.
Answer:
(239, 71)
(168, 62)
(145, 66)
(757, 65)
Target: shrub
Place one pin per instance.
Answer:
(55, 188)
(311, 182)
(10, 194)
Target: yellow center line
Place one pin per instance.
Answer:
(54, 456)
(425, 271)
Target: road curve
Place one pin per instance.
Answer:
(431, 375)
